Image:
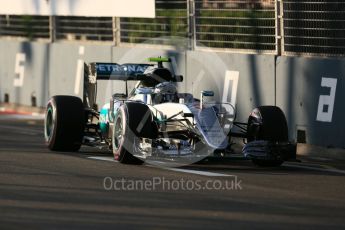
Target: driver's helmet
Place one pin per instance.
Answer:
(165, 92)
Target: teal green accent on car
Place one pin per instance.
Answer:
(49, 122)
(103, 120)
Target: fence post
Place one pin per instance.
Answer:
(116, 31)
(52, 28)
(279, 27)
(191, 24)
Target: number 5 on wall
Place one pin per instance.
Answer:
(326, 102)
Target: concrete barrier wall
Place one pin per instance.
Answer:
(3, 72)
(307, 89)
(66, 66)
(248, 80)
(24, 67)
(311, 92)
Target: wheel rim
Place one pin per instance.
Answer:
(118, 133)
(49, 124)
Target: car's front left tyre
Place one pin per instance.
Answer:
(64, 123)
(267, 123)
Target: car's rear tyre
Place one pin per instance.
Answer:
(267, 123)
(64, 123)
(132, 121)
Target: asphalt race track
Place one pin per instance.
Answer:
(40, 189)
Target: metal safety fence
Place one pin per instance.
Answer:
(314, 27)
(84, 28)
(238, 24)
(171, 21)
(26, 27)
(288, 27)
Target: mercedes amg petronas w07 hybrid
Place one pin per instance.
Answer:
(154, 121)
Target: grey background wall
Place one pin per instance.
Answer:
(293, 83)
(298, 93)
(36, 69)
(256, 77)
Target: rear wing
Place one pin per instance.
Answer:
(130, 72)
(149, 74)
(114, 71)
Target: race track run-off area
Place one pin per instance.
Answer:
(40, 189)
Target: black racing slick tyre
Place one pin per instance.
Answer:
(64, 123)
(267, 123)
(132, 121)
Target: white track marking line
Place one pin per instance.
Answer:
(103, 159)
(212, 174)
(202, 173)
(330, 170)
(192, 171)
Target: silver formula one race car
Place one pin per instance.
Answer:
(154, 121)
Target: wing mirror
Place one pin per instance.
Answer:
(205, 93)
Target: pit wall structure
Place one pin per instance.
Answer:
(310, 90)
